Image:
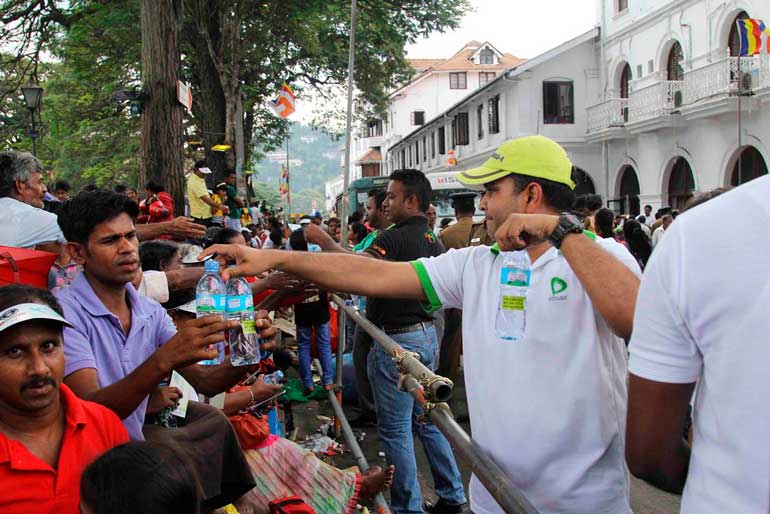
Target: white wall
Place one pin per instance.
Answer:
(710, 144)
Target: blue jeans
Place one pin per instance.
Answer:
(304, 333)
(398, 414)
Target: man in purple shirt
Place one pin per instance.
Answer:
(123, 345)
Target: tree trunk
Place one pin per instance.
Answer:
(161, 149)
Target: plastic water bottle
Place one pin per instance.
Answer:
(243, 339)
(514, 283)
(210, 299)
(273, 378)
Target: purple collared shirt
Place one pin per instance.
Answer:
(99, 342)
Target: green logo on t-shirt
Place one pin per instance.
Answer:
(558, 285)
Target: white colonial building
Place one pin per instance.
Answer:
(438, 84)
(546, 95)
(651, 106)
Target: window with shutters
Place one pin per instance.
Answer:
(486, 77)
(416, 153)
(458, 80)
(480, 121)
(402, 159)
(460, 129)
(493, 113)
(674, 69)
(441, 141)
(558, 105)
(486, 56)
(425, 148)
(433, 145)
(418, 117)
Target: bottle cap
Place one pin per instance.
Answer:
(211, 266)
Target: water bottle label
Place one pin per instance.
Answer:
(512, 303)
(238, 303)
(249, 327)
(210, 303)
(515, 277)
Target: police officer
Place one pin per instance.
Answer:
(455, 236)
(458, 235)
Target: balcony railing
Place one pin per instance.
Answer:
(609, 113)
(723, 77)
(654, 100)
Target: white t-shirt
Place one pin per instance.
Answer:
(154, 285)
(702, 315)
(24, 226)
(551, 408)
(657, 236)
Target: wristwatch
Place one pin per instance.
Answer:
(568, 224)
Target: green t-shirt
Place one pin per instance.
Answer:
(366, 242)
(232, 194)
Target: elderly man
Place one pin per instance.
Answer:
(123, 345)
(47, 434)
(23, 222)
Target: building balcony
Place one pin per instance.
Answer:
(654, 101)
(609, 114)
(727, 76)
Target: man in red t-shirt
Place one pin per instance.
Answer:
(47, 434)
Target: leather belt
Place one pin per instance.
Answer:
(403, 329)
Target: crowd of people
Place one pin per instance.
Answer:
(637, 354)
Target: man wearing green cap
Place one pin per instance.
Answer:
(550, 408)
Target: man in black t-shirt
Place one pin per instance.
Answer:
(410, 326)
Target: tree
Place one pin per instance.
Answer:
(161, 146)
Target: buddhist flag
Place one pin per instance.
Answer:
(284, 104)
(750, 32)
(451, 159)
(283, 186)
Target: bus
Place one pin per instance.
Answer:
(443, 184)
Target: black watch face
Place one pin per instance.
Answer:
(573, 220)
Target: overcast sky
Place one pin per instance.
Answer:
(524, 28)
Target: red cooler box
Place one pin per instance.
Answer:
(23, 266)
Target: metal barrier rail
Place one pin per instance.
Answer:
(350, 439)
(431, 391)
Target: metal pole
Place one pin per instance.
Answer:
(355, 449)
(288, 174)
(33, 133)
(341, 336)
(439, 388)
(349, 125)
(486, 470)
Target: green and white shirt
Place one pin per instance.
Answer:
(550, 408)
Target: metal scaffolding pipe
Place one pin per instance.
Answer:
(510, 499)
(439, 388)
(350, 440)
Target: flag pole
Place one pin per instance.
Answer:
(348, 130)
(288, 174)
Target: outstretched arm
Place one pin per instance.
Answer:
(340, 272)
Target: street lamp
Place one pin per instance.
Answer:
(32, 95)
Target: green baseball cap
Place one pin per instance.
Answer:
(535, 156)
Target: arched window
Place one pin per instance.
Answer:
(487, 56)
(749, 166)
(674, 69)
(625, 78)
(734, 39)
(629, 191)
(680, 184)
(583, 183)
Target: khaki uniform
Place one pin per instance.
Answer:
(479, 235)
(457, 235)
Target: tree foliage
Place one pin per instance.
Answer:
(234, 51)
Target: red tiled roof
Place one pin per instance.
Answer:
(372, 156)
